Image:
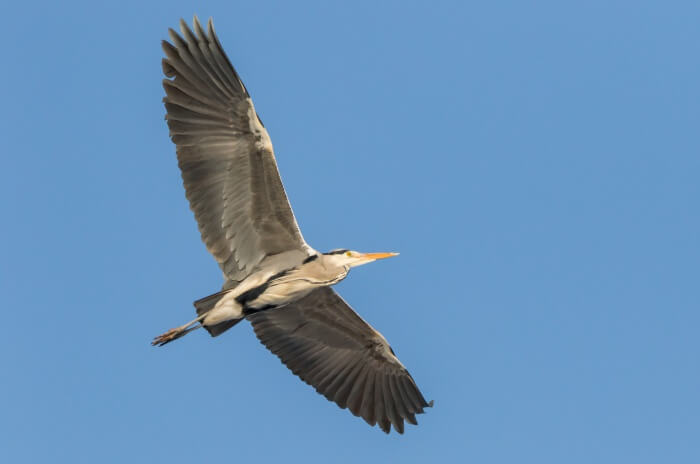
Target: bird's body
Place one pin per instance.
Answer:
(267, 289)
(272, 277)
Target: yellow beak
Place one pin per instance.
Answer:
(378, 255)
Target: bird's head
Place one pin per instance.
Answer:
(350, 258)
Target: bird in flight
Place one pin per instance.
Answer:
(273, 278)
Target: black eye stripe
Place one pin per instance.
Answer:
(336, 252)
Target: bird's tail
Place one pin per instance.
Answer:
(208, 303)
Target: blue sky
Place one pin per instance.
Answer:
(536, 164)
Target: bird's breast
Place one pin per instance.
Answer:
(285, 288)
(281, 293)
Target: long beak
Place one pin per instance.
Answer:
(375, 256)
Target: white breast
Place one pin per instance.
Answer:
(282, 293)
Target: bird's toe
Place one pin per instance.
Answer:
(162, 339)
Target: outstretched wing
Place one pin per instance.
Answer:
(324, 342)
(225, 155)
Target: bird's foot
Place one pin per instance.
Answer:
(167, 337)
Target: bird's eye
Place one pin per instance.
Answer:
(348, 253)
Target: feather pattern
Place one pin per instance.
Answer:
(324, 342)
(225, 155)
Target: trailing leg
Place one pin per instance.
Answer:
(174, 334)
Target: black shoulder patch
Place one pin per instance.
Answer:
(278, 275)
(310, 258)
(249, 295)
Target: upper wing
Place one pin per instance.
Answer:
(323, 341)
(225, 154)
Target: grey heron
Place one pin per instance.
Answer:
(273, 278)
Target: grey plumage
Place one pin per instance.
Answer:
(323, 341)
(273, 278)
(229, 170)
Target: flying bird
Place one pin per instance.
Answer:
(273, 278)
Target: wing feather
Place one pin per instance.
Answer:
(355, 397)
(367, 411)
(324, 342)
(225, 155)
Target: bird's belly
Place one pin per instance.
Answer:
(226, 309)
(282, 293)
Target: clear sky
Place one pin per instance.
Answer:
(537, 165)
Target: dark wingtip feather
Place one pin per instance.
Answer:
(169, 50)
(210, 27)
(168, 69)
(184, 26)
(198, 29)
(166, 45)
(195, 22)
(411, 419)
(174, 36)
(385, 425)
